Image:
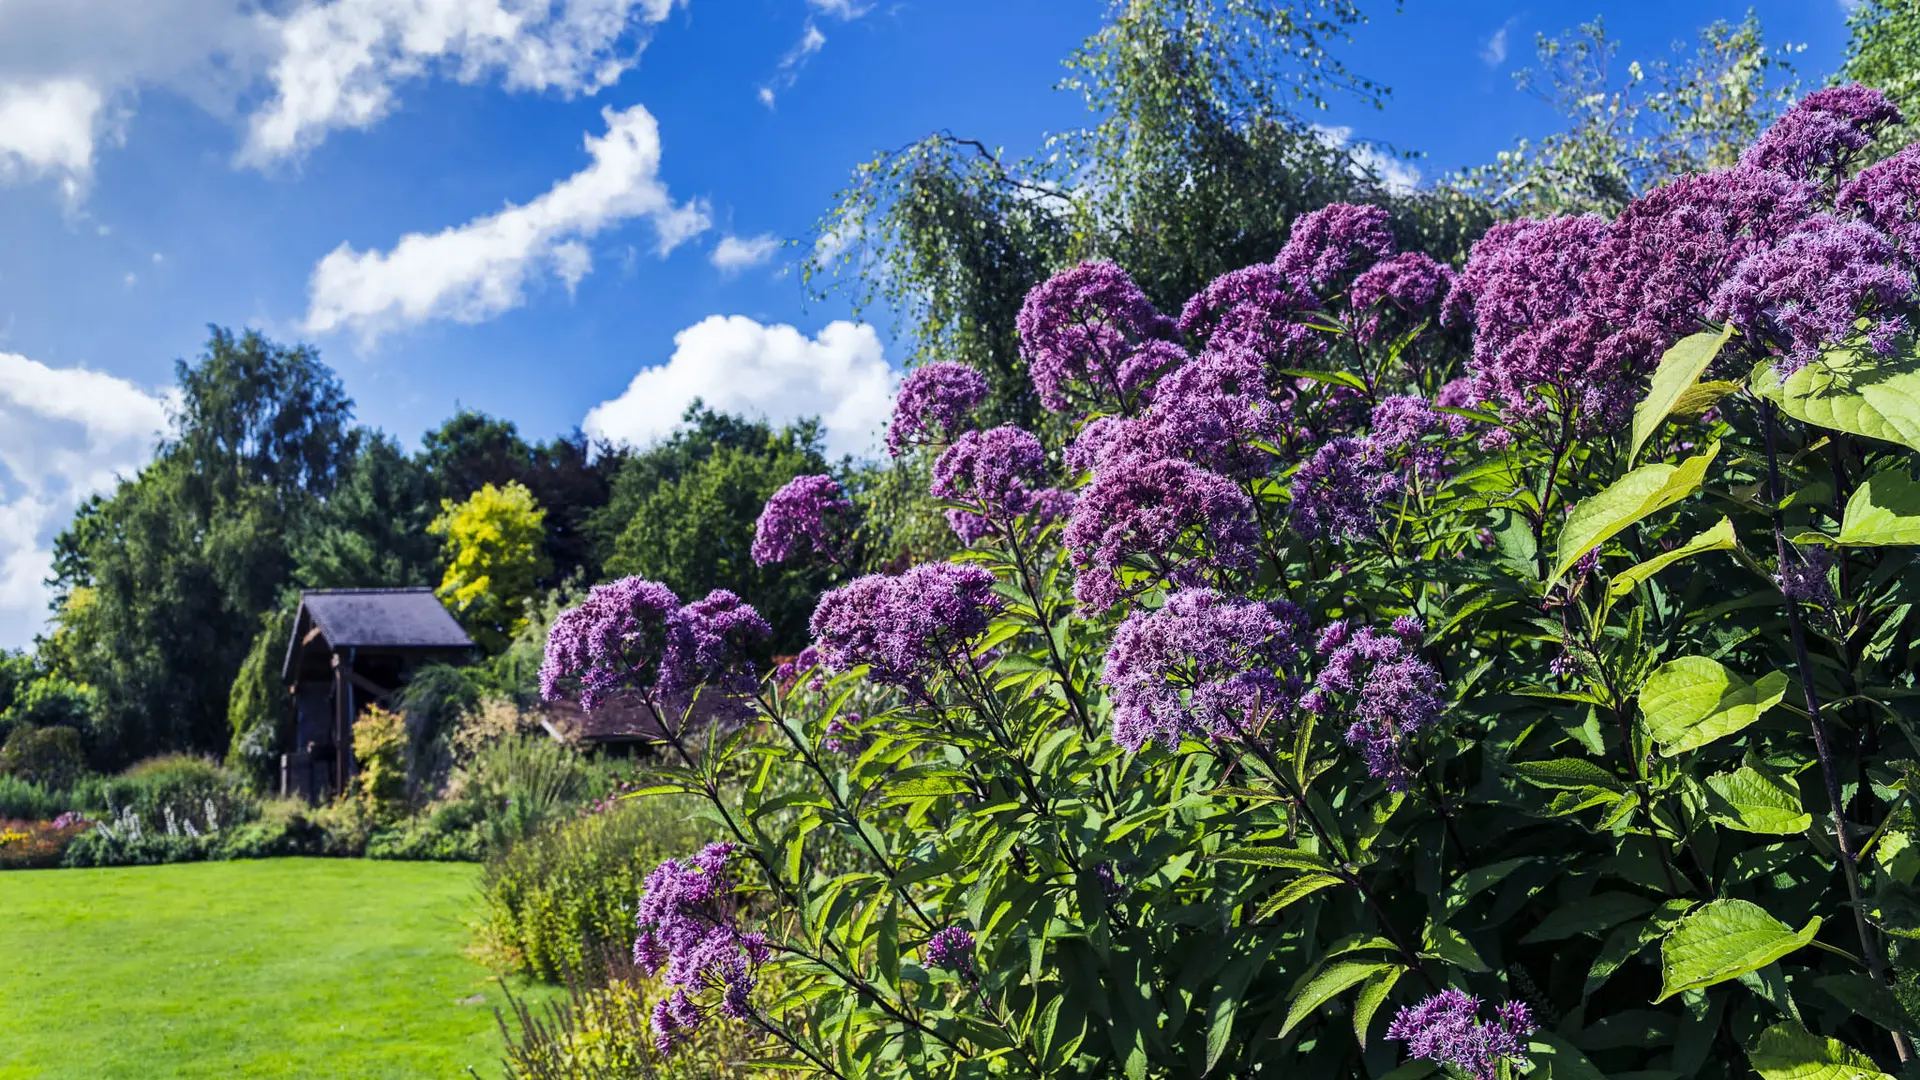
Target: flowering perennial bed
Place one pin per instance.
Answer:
(1510, 668)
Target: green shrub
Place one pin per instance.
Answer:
(525, 781)
(605, 1032)
(380, 751)
(22, 799)
(557, 900)
(53, 756)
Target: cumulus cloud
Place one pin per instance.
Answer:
(65, 434)
(734, 254)
(472, 272)
(287, 72)
(735, 364)
(340, 62)
(47, 129)
(1393, 173)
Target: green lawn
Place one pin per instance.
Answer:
(310, 968)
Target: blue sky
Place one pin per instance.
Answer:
(520, 206)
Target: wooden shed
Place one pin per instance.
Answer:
(352, 648)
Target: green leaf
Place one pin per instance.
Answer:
(1371, 997)
(1558, 1059)
(1862, 995)
(1724, 940)
(1625, 501)
(1787, 1051)
(1297, 889)
(1277, 857)
(1702, 396)
(1718, 538)
(1692, 701)
(1570, 774)
(1849, 389)
(1591, 915)
(1757, 803)
(1883, 511)
(1324, 986)
(1680, 369)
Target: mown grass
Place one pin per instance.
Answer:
(310, 968)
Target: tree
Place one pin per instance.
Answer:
(372, 530)
(683, 513)
(1627, 135)
(1196, 160)
(160, 585)
(495, 556)
(1884, 52)
(569, 475)
(258, 712)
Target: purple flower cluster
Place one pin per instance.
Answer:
(1325, 247)
(1090, 333)
(1387, 690)
(689, 931)
(1338, 492)
(1203, 665)
(951, 949)
(903, 626)
(1394, 293)
(1168, 517)
(799, 519)
(1212, 412)
(1886, 195)
(1445, 1029)
(1040, 509)
(634, 635)
(991, 470)
(1257, 308)
(788, 671)
(839, 736)
(71, 819)
(1808, 289)
(1818, 137)
(934, 404)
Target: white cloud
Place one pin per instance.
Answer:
(735, 364)
(288, 72)
(1393, 173)
(65, 433)
(475, 271)
(811, 41)
(734, 254)
(1494, 52)
(341, 61)
(47, 129)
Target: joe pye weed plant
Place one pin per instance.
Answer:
(1503, 670)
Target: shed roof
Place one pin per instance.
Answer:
(383, 618)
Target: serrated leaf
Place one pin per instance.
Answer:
(1294, 891)
(1849, 389)
(1751, 801)
(1883, 511)
(1591, 915)
(1326, 985)
(1570, 774)
(1371, 997)
(1680, 369)
(1277, 857)
(1632, 497)
(1691, 701)
(1724, 940)
(1786, 1051)
(1718, 538)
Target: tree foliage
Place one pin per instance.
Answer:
(1883, 51)
(160, 585)
(683, 512)
(1630, 130)
(495, 558)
